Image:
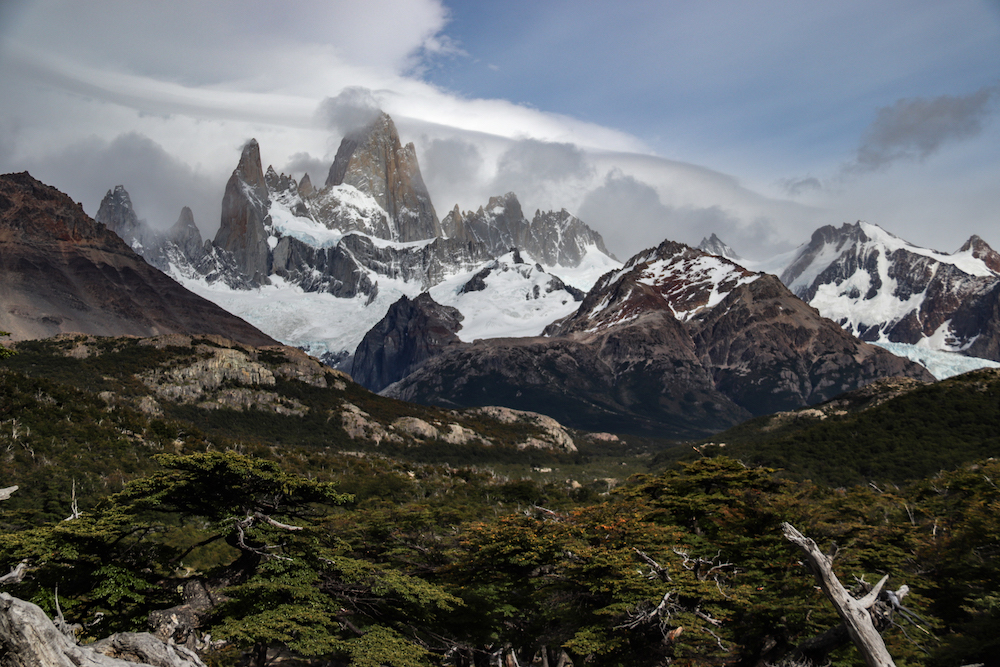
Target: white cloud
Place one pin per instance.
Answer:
(171, 91)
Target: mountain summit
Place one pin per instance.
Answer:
(677, 343)
(882, 288)
(373, 160)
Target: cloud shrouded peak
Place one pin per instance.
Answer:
(350, 110)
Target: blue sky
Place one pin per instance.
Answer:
(759, 121)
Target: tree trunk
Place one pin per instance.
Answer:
(28, 638)
(854, 612)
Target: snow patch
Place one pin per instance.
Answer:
(941, 364)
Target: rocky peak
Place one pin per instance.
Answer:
(672, 278)
(186, 236)
(715, 246)
(279, 182)
(555, 238)
(560, 238)
(118, 215)
(373, 160)
(250, 171)
(242, 231)
(413, 331)
(822, 240)
(982, 251)
(499, 225)
(305, 186)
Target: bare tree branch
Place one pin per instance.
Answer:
(854, 612)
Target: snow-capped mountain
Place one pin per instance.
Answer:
(674, 277)
(367, 238)
(676, 343)
(882, 288)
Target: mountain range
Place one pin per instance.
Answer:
(488, 307)
(882, 288)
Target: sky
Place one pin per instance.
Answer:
(649, 120)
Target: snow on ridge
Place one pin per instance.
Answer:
(720, 276)
(584, 275)
(854, 313)
(964, 261)
(518, 300)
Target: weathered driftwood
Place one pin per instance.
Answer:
(28, 638)
(854, 612)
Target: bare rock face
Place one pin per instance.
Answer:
(555, 238)
(409, 334)
(180, 246)
(678, 343)
(243, 232)
(117, 214)
(186, 236)
(769, 351)
(30, 639)
(374, 161)
(60, 271)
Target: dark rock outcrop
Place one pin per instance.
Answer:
(409, 334)
(60, 271)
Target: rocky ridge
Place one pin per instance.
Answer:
(554, 238)
(62, 271)
(212, 373)
(879, 287)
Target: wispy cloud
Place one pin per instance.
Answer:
(916, 128)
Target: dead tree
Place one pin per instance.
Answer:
(854, 612)
(28, 638)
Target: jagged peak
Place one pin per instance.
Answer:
(381, 127)
(982, 251)
(716, 246)
(119, 194)
(305, 185)
(186, 219)
(249, 169)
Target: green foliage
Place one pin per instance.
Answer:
(372, 559)
(5, 352)
(934, 427)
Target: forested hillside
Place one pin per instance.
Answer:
(261, 550)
